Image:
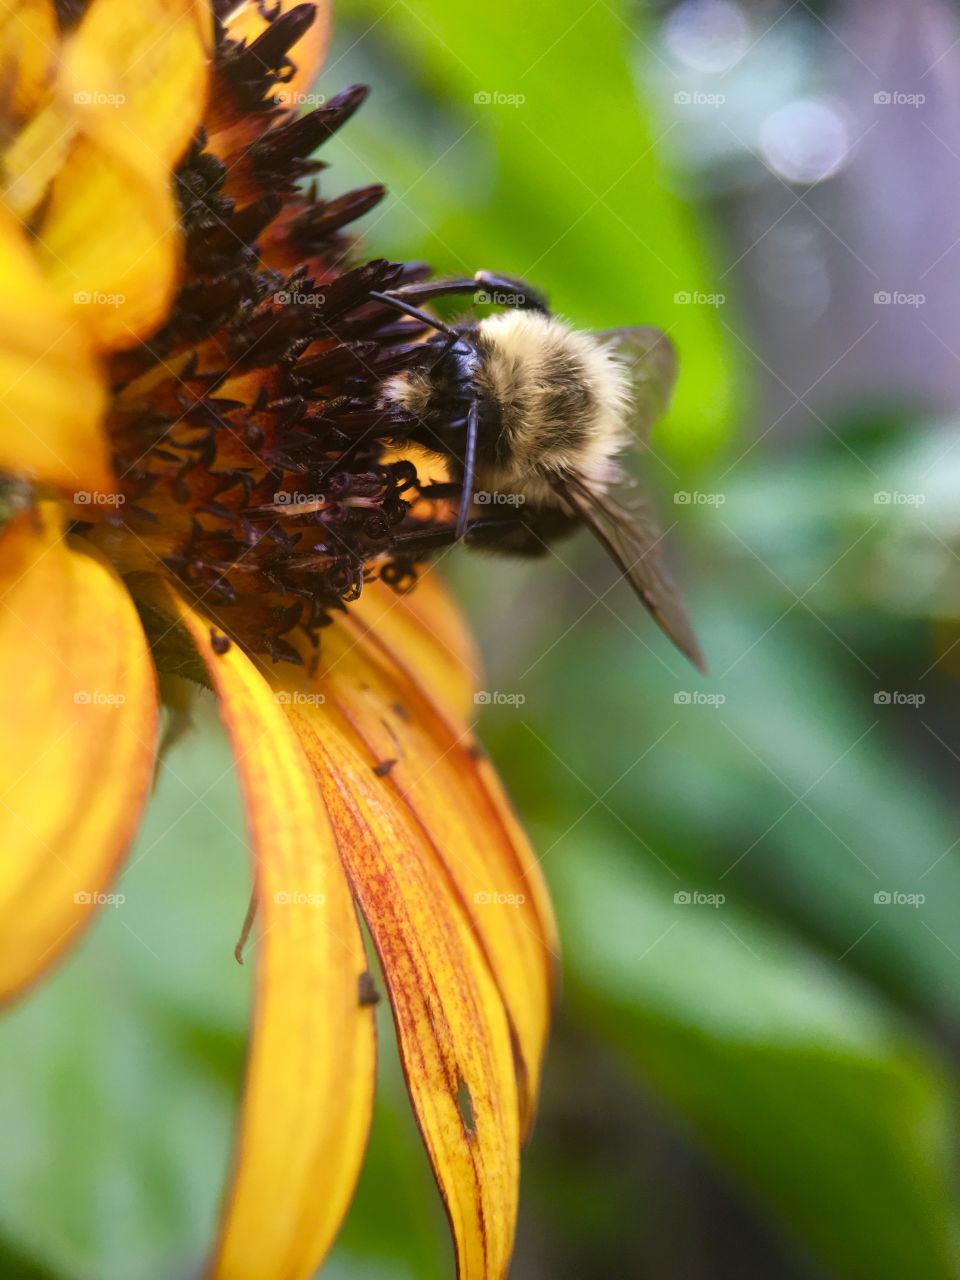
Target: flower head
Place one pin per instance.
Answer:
(195, 478)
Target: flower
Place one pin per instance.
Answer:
(191, 482)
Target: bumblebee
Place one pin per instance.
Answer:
(533, 416)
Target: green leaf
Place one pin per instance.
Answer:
(815, 1094)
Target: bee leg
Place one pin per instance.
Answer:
(469, 468)
(440, 490)
(481, 532)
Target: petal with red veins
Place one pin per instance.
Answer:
(310, 1073)
(451, 1025)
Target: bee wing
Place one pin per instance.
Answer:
(632, 538)
(650, 359)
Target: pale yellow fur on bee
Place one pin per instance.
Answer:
(563, 396)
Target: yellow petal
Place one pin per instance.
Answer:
(109, 241)
(139, 72)
(28, 50)
(79, 709)
(130, 93)
(51, 396)
(424, 632)
(246, 23)
(451, 1026)
(379, 678)
(310, 1074)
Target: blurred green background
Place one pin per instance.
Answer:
(757, 873)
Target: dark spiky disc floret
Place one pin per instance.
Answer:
(247, 432)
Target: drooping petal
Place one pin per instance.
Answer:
(79, 709)
(247, 23)
(451, 1025)
(51, 397)
(426, 634)
(310, 1073)
(377, 677)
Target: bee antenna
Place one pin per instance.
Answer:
(469, 463)
(409, 310)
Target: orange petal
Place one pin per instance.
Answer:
(451, 1026)
(426, 633)
(79, 707)
(383, 676)
(310, 1074)
(51, 397)
(247, 23)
